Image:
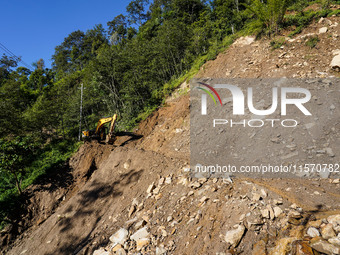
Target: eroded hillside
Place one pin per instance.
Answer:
(139, 198)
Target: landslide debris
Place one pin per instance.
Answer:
(140, 198)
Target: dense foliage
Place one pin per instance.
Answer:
(127, 68)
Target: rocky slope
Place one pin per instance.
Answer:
(140, 198)
(289, 57)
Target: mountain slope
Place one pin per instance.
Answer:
(144, 190)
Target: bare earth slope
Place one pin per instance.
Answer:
(253, 59)
(144, 186)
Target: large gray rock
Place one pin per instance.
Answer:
(234, 236)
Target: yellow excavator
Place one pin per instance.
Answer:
(101, 133)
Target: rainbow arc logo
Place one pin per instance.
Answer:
(209, 93)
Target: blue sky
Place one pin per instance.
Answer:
(32, 29)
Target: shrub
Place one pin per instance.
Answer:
(277, 43)
(312, 41)
(270, 14)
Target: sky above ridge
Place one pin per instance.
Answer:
(32, 29)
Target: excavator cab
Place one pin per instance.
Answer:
(101, 133)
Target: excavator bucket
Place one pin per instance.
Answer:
(110, 138)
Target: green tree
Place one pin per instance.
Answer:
(14, 157)
(66, 58)
(270, 12)
(15, 97)
(226, 16)
(137, 11)
(77, 50)
(117, 29)
(6, 65)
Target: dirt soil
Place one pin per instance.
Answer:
(145, 185)
(294, 59)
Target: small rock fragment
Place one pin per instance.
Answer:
(323, 30)
(277, 211)
(265, 213)
(334, 220)
(116, 248)
(313, 232)
(256, 197)
(278, 201)
(160, 251)
(204, 199)
(121, 251)
(271, 212)
(330, 152)
(120, 236)
(195, 185)
(334, 240)
(132, 210)
(140, 234)
(259, 248)
(150, 188)
(140, 224)
(234, 236)
(301, 248)
(335, 64)
(168, 180)
(317, 243)
(281, 246)
(264, 193)
(161, 181)
(156, 190)
(327, 231)
(142, 242)
(101, 251)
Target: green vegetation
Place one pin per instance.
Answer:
(270, 13)
(303, 18)
(277, 43)
(21, 163)
(312, 41)
(128, 69)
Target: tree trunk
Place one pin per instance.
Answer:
(17, 183)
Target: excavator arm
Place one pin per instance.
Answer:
(99, 133)
(103, 121)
